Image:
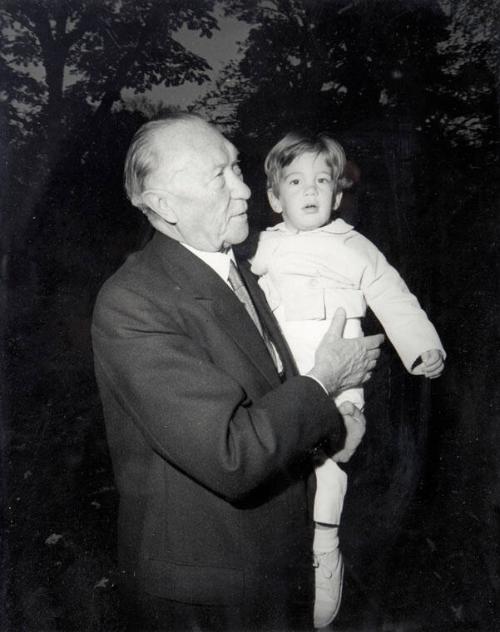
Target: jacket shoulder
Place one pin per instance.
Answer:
(132, 289)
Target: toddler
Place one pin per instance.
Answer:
(309, 266)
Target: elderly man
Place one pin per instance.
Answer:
(211, 430)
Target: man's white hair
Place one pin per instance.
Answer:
(143, 157)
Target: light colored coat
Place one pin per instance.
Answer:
(307, 275)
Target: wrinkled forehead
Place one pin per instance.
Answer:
(192, 146)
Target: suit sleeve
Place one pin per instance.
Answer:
(196, 415)
(404, 321)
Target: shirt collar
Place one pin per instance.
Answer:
(337, 226)
(218, 261)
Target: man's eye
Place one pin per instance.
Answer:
(219, 180)
(237, 169)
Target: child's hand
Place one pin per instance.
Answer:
(432, 363)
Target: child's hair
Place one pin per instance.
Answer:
(295, 144)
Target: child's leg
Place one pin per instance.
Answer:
(331, 487)
(303, 338)
(329, 568)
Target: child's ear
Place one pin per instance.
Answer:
(160, 204)
(338, 200)
(274, 202)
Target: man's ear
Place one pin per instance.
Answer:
(338, 200)
(274, 202)
(160, 204)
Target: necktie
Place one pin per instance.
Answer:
(239, 288)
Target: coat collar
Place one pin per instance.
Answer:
(183, 267)
(195, 277)
(337, 227)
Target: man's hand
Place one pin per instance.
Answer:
(342, 363)
(355, 425)
(432, 363)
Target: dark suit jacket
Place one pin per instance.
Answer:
(211, 451)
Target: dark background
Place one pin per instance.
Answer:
(411, 91)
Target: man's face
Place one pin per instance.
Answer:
(204, 186)
(306, 192)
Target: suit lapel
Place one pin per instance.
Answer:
(196, 277)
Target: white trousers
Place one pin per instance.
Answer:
(303, 338)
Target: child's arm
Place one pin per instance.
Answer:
(430, 364)
(263, 255)
(398, 310)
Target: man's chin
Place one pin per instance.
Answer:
(237, 236)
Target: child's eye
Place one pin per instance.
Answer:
(324, 180)
(294, 181)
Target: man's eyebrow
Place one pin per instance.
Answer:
(216, 167)
(223, 164)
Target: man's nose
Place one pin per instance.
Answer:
(239, 189)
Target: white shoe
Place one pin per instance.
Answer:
(329, 575)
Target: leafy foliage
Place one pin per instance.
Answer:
(66, 63)
(471, 57)
(90, 50)
(337, 64)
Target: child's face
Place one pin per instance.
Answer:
(306, 191)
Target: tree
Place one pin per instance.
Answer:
(92, 49)
(473, 44)
(335, 63)
(65, 58)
